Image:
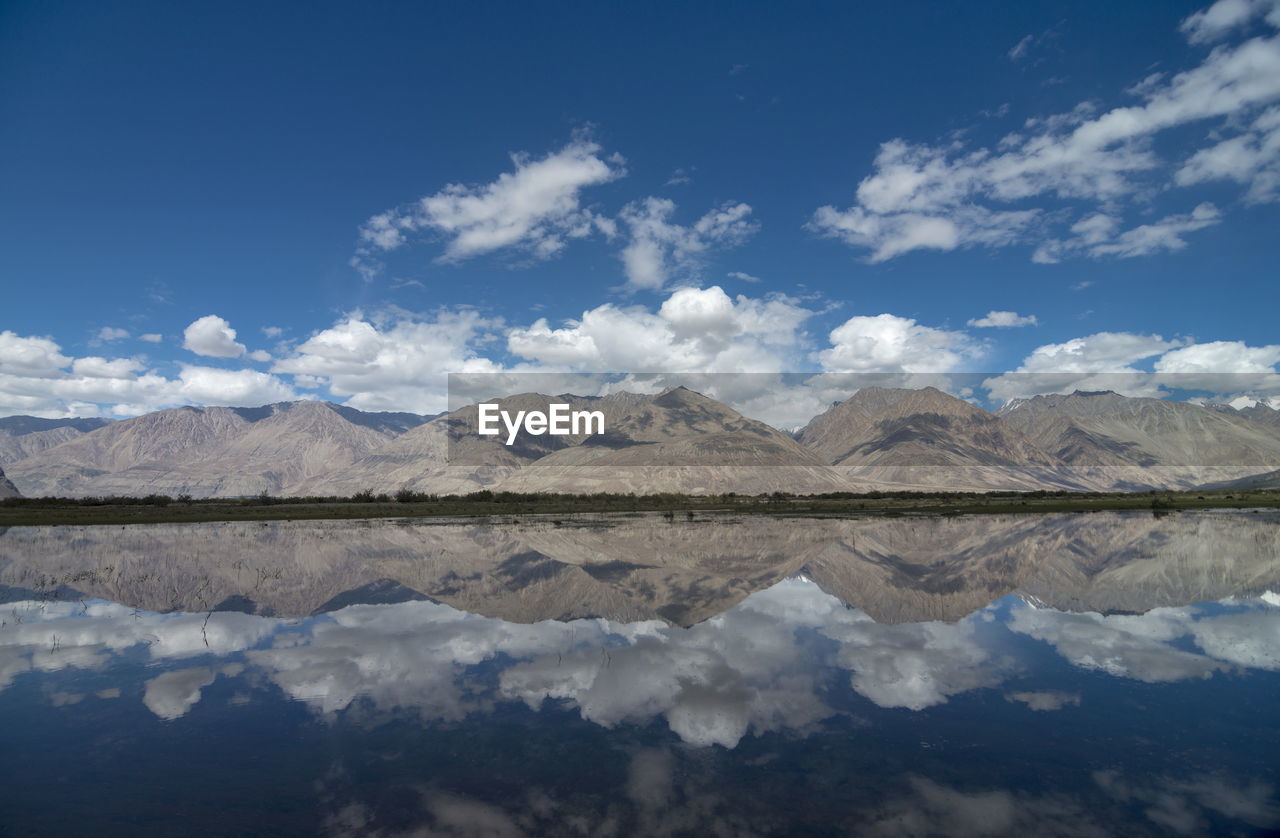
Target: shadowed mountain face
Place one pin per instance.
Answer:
(635, 569)
(7, 489)
(879, 426)
(928, 437)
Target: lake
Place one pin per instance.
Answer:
(1076, 674)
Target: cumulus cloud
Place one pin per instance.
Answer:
(37, 379)
(391, 364)
(34, 356)
(94, 367)
(208, 385)
(694, 330)
(172, 694)
(1003, 320)
(1100, 352)
(658, 250)
(1113, 361)
(888, 343)
(151, 337)
(1220, 356)
(213, 337)
(536, 208)
(949, 196)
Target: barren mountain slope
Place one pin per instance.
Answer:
(210, 451)
(66, 469)
(679, 441)
(1146, 442)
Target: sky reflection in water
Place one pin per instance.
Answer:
(790, 711)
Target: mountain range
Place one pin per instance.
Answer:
(677, 440)
(645, 568)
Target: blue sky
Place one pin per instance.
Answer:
(239, 204)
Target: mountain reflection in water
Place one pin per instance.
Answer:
(1073, 674)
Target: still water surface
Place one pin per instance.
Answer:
(1087, 674)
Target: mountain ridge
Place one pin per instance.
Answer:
(677, 440)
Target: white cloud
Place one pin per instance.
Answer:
(93, 367)
(888, 343)
(1224, 16)
(745, 277)
(1003, 320)
(212, 336)
(1220, 356)
(37, 379)
(401, 364)
(679, 177)
(1101, 361)
(272, 331)
(260, 355)
(1019, 50)
(151, 337)
(107, 334)
(944, 197)
(1110, 361)
(171, 694)
(1251, 158)
(694, 330)
(1101, 352)
(658, 250)
(1097, 236)
(234, 388)
(536, 208)
(1043, 702)
(30, 356)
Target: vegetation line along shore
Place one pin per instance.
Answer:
(407, 504)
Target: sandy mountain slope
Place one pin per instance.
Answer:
(1141, 442)
(211, 451)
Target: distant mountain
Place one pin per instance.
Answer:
(1145, 442)
(890, 427)
(675, 441)
(929, 437)
(207, 451)
(24, 436)
(20, 425)
(1262, 413)
(678, 441)
(1266, 480)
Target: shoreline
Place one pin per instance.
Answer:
(97, 512)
